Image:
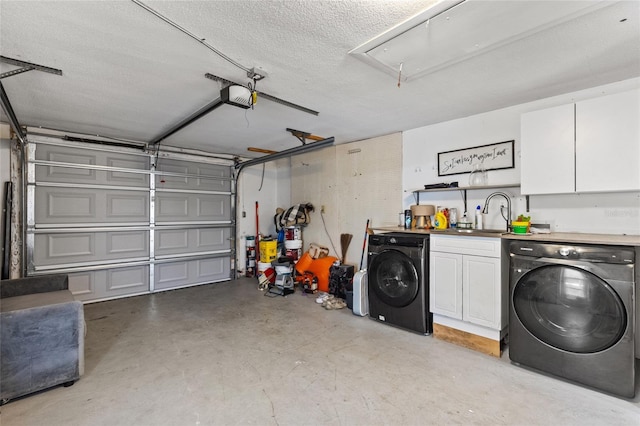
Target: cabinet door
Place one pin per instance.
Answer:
(547, 151)
(608, 143)
(481, 291)
(445, 284)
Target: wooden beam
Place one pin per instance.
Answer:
(468, 340)
(261, 150)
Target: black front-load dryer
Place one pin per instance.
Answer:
(397, 275)
(572, 312)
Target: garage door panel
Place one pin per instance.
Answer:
(171, 274)
(88, 214)
(82, 285)
(211, 208)
(66, 245)
(121, 162)
(127, 205)
(212, 269)
(172, 207)
(193, 168)
(200, 176)
(127, 244)
(127, 179)
(171, 241)
(173, 166)
(62, 174)
(64, 155)
(196, 183)
(88, 156)
(89, 247)
(191, 241)
(127, 280)
(82, 205)
(64, 205)
(110, 283)
(192, 272)
(70, 175)
(213, 238)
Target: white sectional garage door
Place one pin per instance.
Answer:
(121, 222)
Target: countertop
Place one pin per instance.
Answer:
(554, 237)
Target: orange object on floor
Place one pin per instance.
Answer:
(320, 268)
(302, 265)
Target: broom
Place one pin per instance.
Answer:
(345, 240)
(364, 243)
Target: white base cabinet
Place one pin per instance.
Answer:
(481, 291)
(466, 288)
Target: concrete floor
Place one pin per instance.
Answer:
(224, 354)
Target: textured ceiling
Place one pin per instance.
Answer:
(128, 74)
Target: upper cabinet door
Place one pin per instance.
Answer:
(608, 143)
(547, 151)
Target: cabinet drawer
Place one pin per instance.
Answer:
(478, 246)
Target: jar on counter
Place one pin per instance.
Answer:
(407, 219)
(453, 217)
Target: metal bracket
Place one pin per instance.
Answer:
(26, 66)
(303, 136)
(256, 74)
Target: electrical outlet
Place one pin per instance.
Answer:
(244, 214)
(322, 209)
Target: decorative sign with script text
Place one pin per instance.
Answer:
(495, 156)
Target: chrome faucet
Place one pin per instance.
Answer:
(485, 210)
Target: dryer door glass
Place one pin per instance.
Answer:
(394, 278)
(569, 308)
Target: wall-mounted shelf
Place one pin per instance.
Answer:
(463, 191)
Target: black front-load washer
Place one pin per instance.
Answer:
(398, 275)
(571, 312)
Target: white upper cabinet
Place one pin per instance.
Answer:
(547, 151)
(589, 146)
(608, 143)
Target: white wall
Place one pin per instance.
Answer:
(614, 213)
(355, 182)
(271, 192)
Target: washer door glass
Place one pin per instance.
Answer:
(569, 309)
(393, 278)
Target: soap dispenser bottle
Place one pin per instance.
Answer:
(478, 217)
